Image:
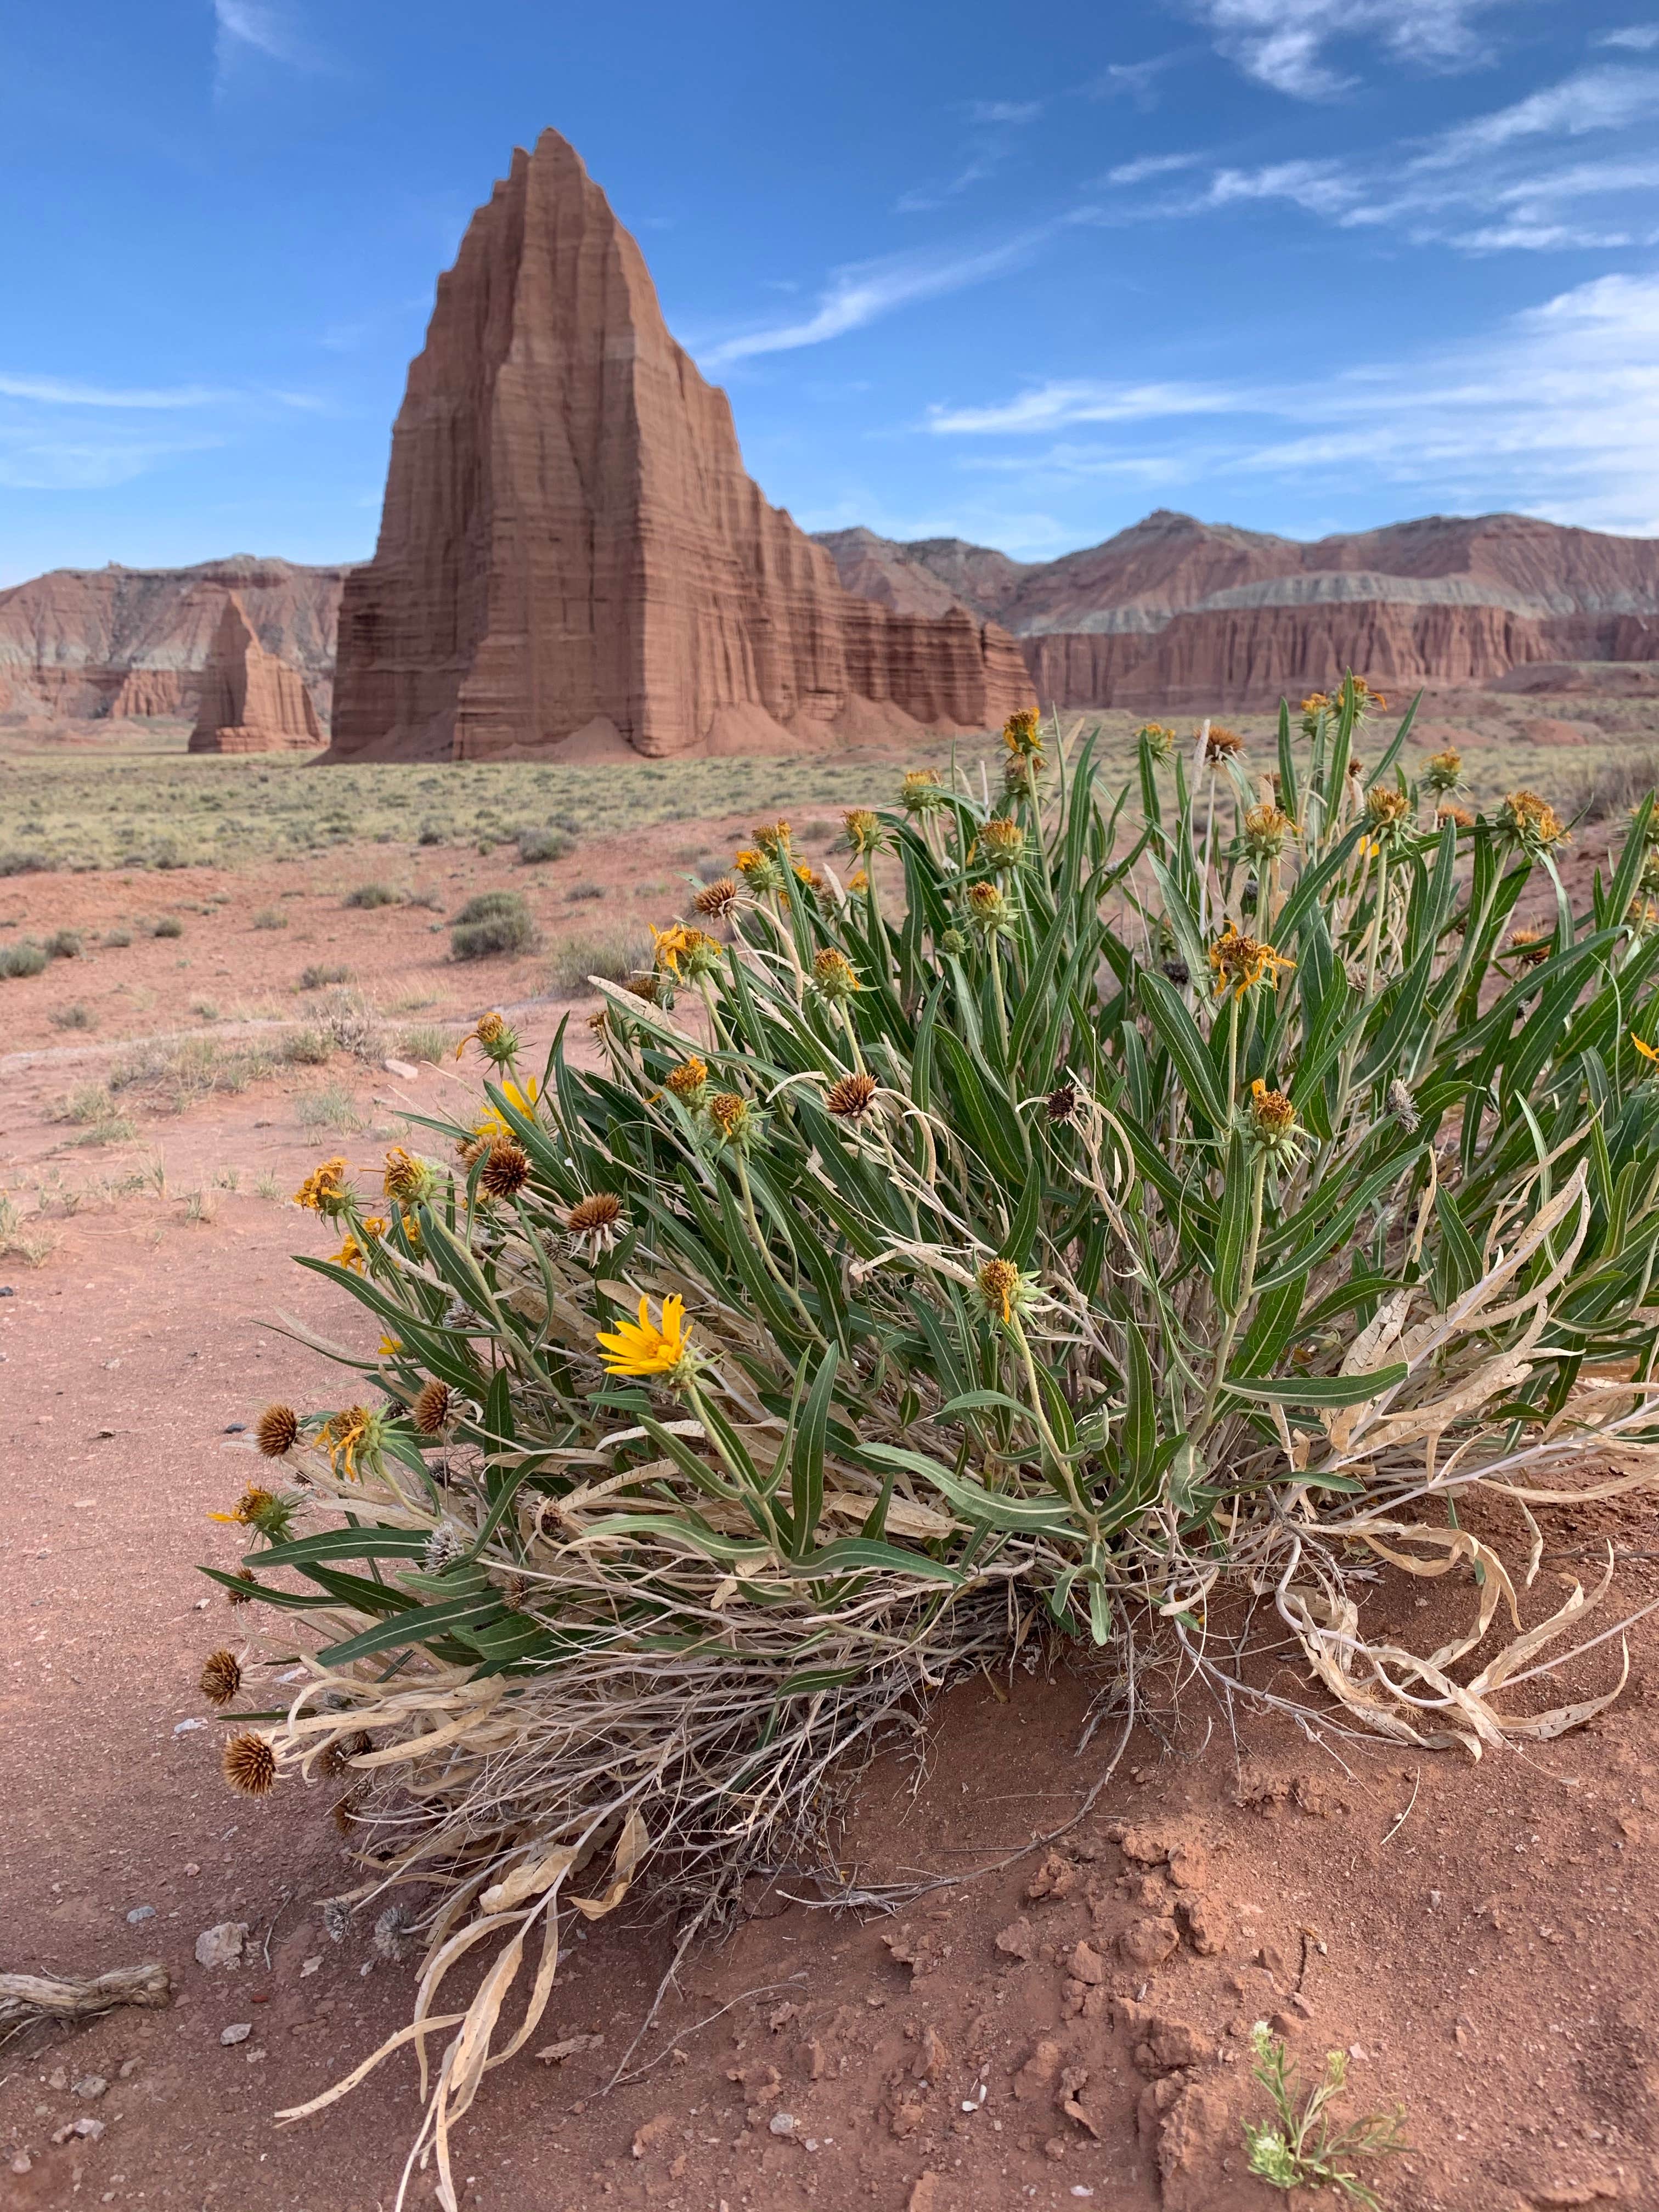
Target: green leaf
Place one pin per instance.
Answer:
(1168, 1014)
(1319, 1389)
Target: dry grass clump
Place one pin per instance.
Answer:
(371, 896)
(492, 922)
(1154, 1200)
(613, 958)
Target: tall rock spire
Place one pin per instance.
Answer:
(571, 556)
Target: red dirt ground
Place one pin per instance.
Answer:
(1475, 1937)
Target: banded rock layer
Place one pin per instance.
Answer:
(250, 700)
(572, 557)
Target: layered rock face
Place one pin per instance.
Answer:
(1174, 612)
(572, 557)
(250, 700)
(80, 643)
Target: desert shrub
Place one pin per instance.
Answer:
(26, 958)
(427, 1042)
(580, 893)
(319, 978)
(431, 833)
(546, 844)
(308, 1048)
(350, 1024)
(168, 925)
(72, 1016)
(615, 958)
(65, 944)
(15, 863)
(118, 939)
(494, 921)
(269, 917)
(371, 896)
(1059, 1246)
(1613, 786)
(332, 1106)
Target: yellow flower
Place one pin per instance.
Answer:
(492, 1037)
(324, 1189)
(1532, 821)
(1002, 1289)
(672, 943)
(344, 1436)
(833, 973)
(645, 1347)
(863, 828)
(1158, 739)
(391, 1347)
(1021, 732)
(858, 881)
(921, 791)
(689, 1077)
(523, 1096)
(1266, 829)
(772, 836)
(1647, 1051)
(1240, 961)
(351, 1254)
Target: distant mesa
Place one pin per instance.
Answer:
(572, 561)
(250, 700)
(1174, 613)
(83, 644)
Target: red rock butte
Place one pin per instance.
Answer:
(572, 559)
(251, 701)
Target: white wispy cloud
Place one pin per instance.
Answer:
(32, 462)
(242, 28)
(1635, 38)
(1286, 44)
(1553, 412)
(973, 172)
(60, 392)
(1136, 81)
(1151, 165)
(1004, 111)
(862, 292)
(1609, 99)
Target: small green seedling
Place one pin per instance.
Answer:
(1301, 2148)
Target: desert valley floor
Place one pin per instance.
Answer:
(1473, 1936)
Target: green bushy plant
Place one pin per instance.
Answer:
(371, 896)
(545, 844)
(26, 958)
(492, 922)
(1104, 1198)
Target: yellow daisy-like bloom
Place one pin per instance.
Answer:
(921, 791)
(1532, 821)
(835, 974)
(521, 1095)
(324, 1189)
(672, 946)
(772, 836)
(686, 1080)
(809, 877)
(344, 1437)
(352, 1253)
(1647, 1051)
(1266, 829)
(1239, 962)
(760, 870)
(858, 881)
(1000, 1284)
(863, 828)
(391, 1347)
(644, 1348)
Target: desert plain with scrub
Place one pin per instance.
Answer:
(1039, 2023)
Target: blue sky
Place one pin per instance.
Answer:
(1019, 273)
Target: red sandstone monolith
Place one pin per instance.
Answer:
(251, 701)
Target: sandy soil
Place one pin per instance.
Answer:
(1473, 1936)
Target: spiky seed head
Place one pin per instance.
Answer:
(276, 1431)
(345, 1811)
(1061, 1105)
(1459, 816)
(1177, 971)
(717, 902)
(344, 1749)
(513, 1589)
(1531, 947)
(1002, 842)
(244, 1597)
(435, 1404)
(730, 1114)
(250, 1763)
(595, 1222)
(851, 1097)
(1001, 1287)
(834, 975)
(221, 1677)
(444, 1546)
(505, 1171)
(1401, 1104)
(409, 1179)
(1221, 744)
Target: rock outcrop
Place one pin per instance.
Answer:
(572, 559)
(1174, 612)
(83, 644)
(250, 700)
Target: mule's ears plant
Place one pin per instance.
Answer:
(1053, 1231)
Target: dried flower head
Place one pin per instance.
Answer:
(1158, 739)
(717, 902)
(409, 1179)
(833, 976)
(731, 1115)
(595, 1223)
(1240, 961)
(863, 828)
(355, 1252)
(323, 1190)
(244, 1596)
(1529, 947)
(268, 1511)
(1177, 971)
(1388, 813)
(250, 1763)
(506, 1170)
(1459, 816)
(348, 1433)
(1019, 772)
(1002, 1289)
(859, 881)
(1266, 828)
(688, 1078)
(648, 987)
(1271, 1120)
(276, 1431)
(851, 1097)
(1443, 771)
(1021, 732)
(1221, 744)
(1401, 1105)
(988, 910)
(434, 1407)
(773, 837)
(760, 870)
(920, 792)
(513, 1587)
(221, 1677)
(1531, 822)
(446, 1545)
(811, 878)
(1061, 1104)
